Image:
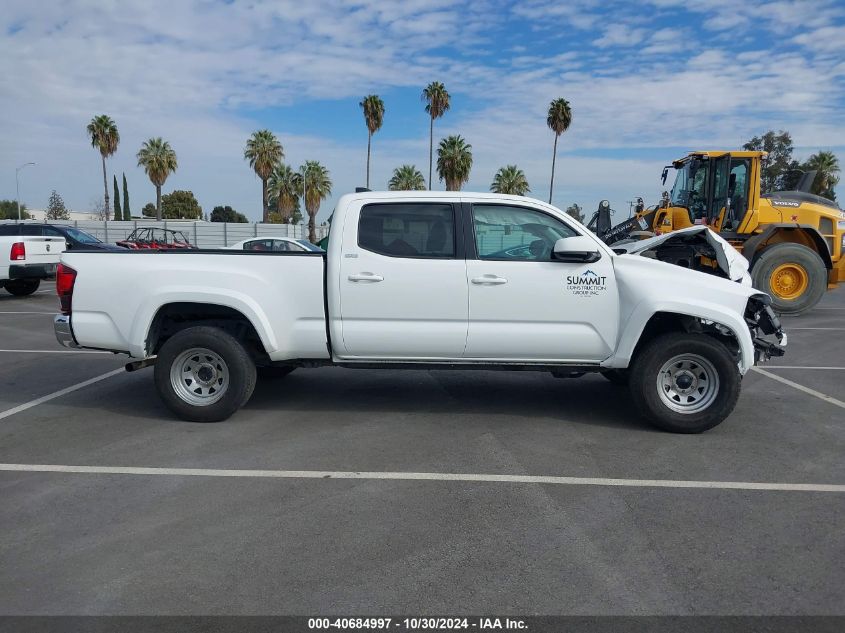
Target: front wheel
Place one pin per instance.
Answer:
(204, 374)
(22, 287)
(685, 383)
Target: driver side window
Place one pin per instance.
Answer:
(515, 233)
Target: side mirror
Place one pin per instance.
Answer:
(578, 249)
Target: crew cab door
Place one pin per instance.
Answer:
(526, 306)
(402, 285)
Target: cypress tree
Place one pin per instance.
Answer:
(127, 215)
(118, 214)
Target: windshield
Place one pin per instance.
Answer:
(82, 236)
(689, 188)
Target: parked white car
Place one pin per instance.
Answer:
(424, 280)
(275, 244)
(26, 260)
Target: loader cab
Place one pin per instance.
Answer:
(711, 188)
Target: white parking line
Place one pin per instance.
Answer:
(831, 329)
(16, 312)
(52, 351)
(401, 476)
(57, 394)
(800, 367)
(795, 385)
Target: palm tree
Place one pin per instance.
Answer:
(159, 161)
(105, 137)
(406, 178)
(437, 102)
(454, 161)
(284, 186)
(318, 187)
(373, 108)
(263, 151)
(827, 177)
(558, 120)
(510, 179)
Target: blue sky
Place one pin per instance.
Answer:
(647, 81)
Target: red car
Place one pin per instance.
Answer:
(155, 238)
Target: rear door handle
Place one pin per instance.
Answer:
(489, 280)
(365, 277)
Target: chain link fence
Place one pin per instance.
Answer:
(201, 234)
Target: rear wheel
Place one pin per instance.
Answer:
(685, 383)
(22, 287)
(794, 275)
(204, 374)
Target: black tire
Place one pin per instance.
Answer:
(22, 287)
(720, 395)
(619, 377)
(274, 372)
(787, 253)
(239, 373)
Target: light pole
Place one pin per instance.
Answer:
(18, 188)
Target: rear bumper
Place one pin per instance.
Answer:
(63, 331)
(32, 271)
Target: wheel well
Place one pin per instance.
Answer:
(664, 322)
(808, 237)
(173, 317)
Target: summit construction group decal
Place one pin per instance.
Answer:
(587, 284)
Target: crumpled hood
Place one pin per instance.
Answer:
(732, 263)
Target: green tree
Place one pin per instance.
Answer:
(437, 103)
(127, 214)
(263, 150)
(778, 164)
(827, 177)
(284, 188)
(9, 210)
(56, 208)
(159, 161)
(180, 205)
(406, 178)
(373, 108)
(149, 210)
(575, 210)
(511, 180)
(558, 119)
(227, 214)
(118, 213)
(105, 137)
(318, 187)
(454, 161)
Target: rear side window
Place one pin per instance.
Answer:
(9, 229)
(408, 230)
(29, 229)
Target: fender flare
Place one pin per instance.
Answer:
(752, 245)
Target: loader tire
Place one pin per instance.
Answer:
(794, 275)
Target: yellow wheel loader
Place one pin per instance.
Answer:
(793, 240)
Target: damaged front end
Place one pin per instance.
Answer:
(763, 322)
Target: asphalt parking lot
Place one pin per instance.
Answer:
(246, 535)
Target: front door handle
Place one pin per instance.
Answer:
(365, 277)
(489, 280)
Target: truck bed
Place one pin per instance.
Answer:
(281, 293)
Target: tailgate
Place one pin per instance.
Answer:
(41, 250)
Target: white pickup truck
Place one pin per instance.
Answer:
(423, 280)
(26, 260)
